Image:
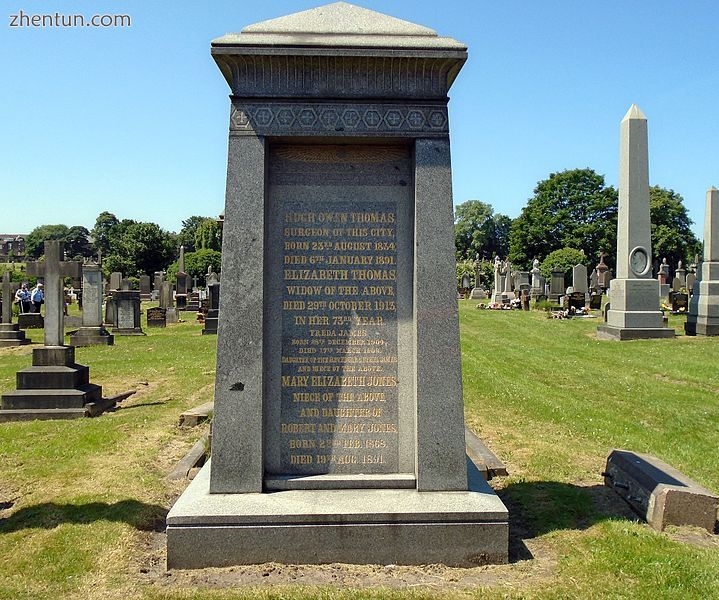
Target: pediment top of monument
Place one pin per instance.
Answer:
(339, 24)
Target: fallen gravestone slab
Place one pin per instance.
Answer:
(658, 492)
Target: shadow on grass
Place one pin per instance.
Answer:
(539, 507)
(48, 515)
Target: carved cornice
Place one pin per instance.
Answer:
(397, 75)
(338, 119)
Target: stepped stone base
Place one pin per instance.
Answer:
(91, 336)
(607, 332)
(54, 387)
(701, 329)
(11, 335)
(211, 321)
(360, 526)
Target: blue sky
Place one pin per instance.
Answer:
(134, 120)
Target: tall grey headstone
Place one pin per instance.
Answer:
(145, 289)
(508, 279)
(115, 280)
(55, 387)
(603, 274)
(10, 333)
(703, 315)
(556, 285)
(579, 278)
(681, 274)
(182, 279)
(92, 332)
(167, 302)
(498, 285)
(634, 295)
(339, 383)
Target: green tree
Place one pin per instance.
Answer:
(35, 240)
(77, 243)
(104, 232)
(672, 237)
(207, 236)
(186, 237)
(196, 264)
(564, 259)
(571, 209)
(479, 230)
(142, 248)
(465, 267)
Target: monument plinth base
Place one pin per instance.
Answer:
(11, 335)
(91, 336)
(702, 327)
(478, 294)
(211, 322)
(357, 526)
(54, 387)
(608, 332)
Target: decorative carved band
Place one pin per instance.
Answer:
(339, 76)
(338, 119)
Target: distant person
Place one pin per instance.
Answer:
(37, 295)
(22, 299)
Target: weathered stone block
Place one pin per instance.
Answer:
(659, 493)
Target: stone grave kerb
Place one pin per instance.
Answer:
(53, 270)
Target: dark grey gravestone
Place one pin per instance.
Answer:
(157, 317)
(54, 387)
(339, 385)
(193, 302)
(127, 313)
(680, 302)
(10, 333)
(145, 291)
(213, 312)
(556, 285)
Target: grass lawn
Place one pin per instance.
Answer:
(82, 503)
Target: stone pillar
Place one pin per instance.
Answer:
(634, 295)
(92, 332)
(440, 423)
(10, 333)
(703, 316)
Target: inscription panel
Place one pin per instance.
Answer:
(338, 373)
(339, 337)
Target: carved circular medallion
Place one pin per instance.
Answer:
(639, 261)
